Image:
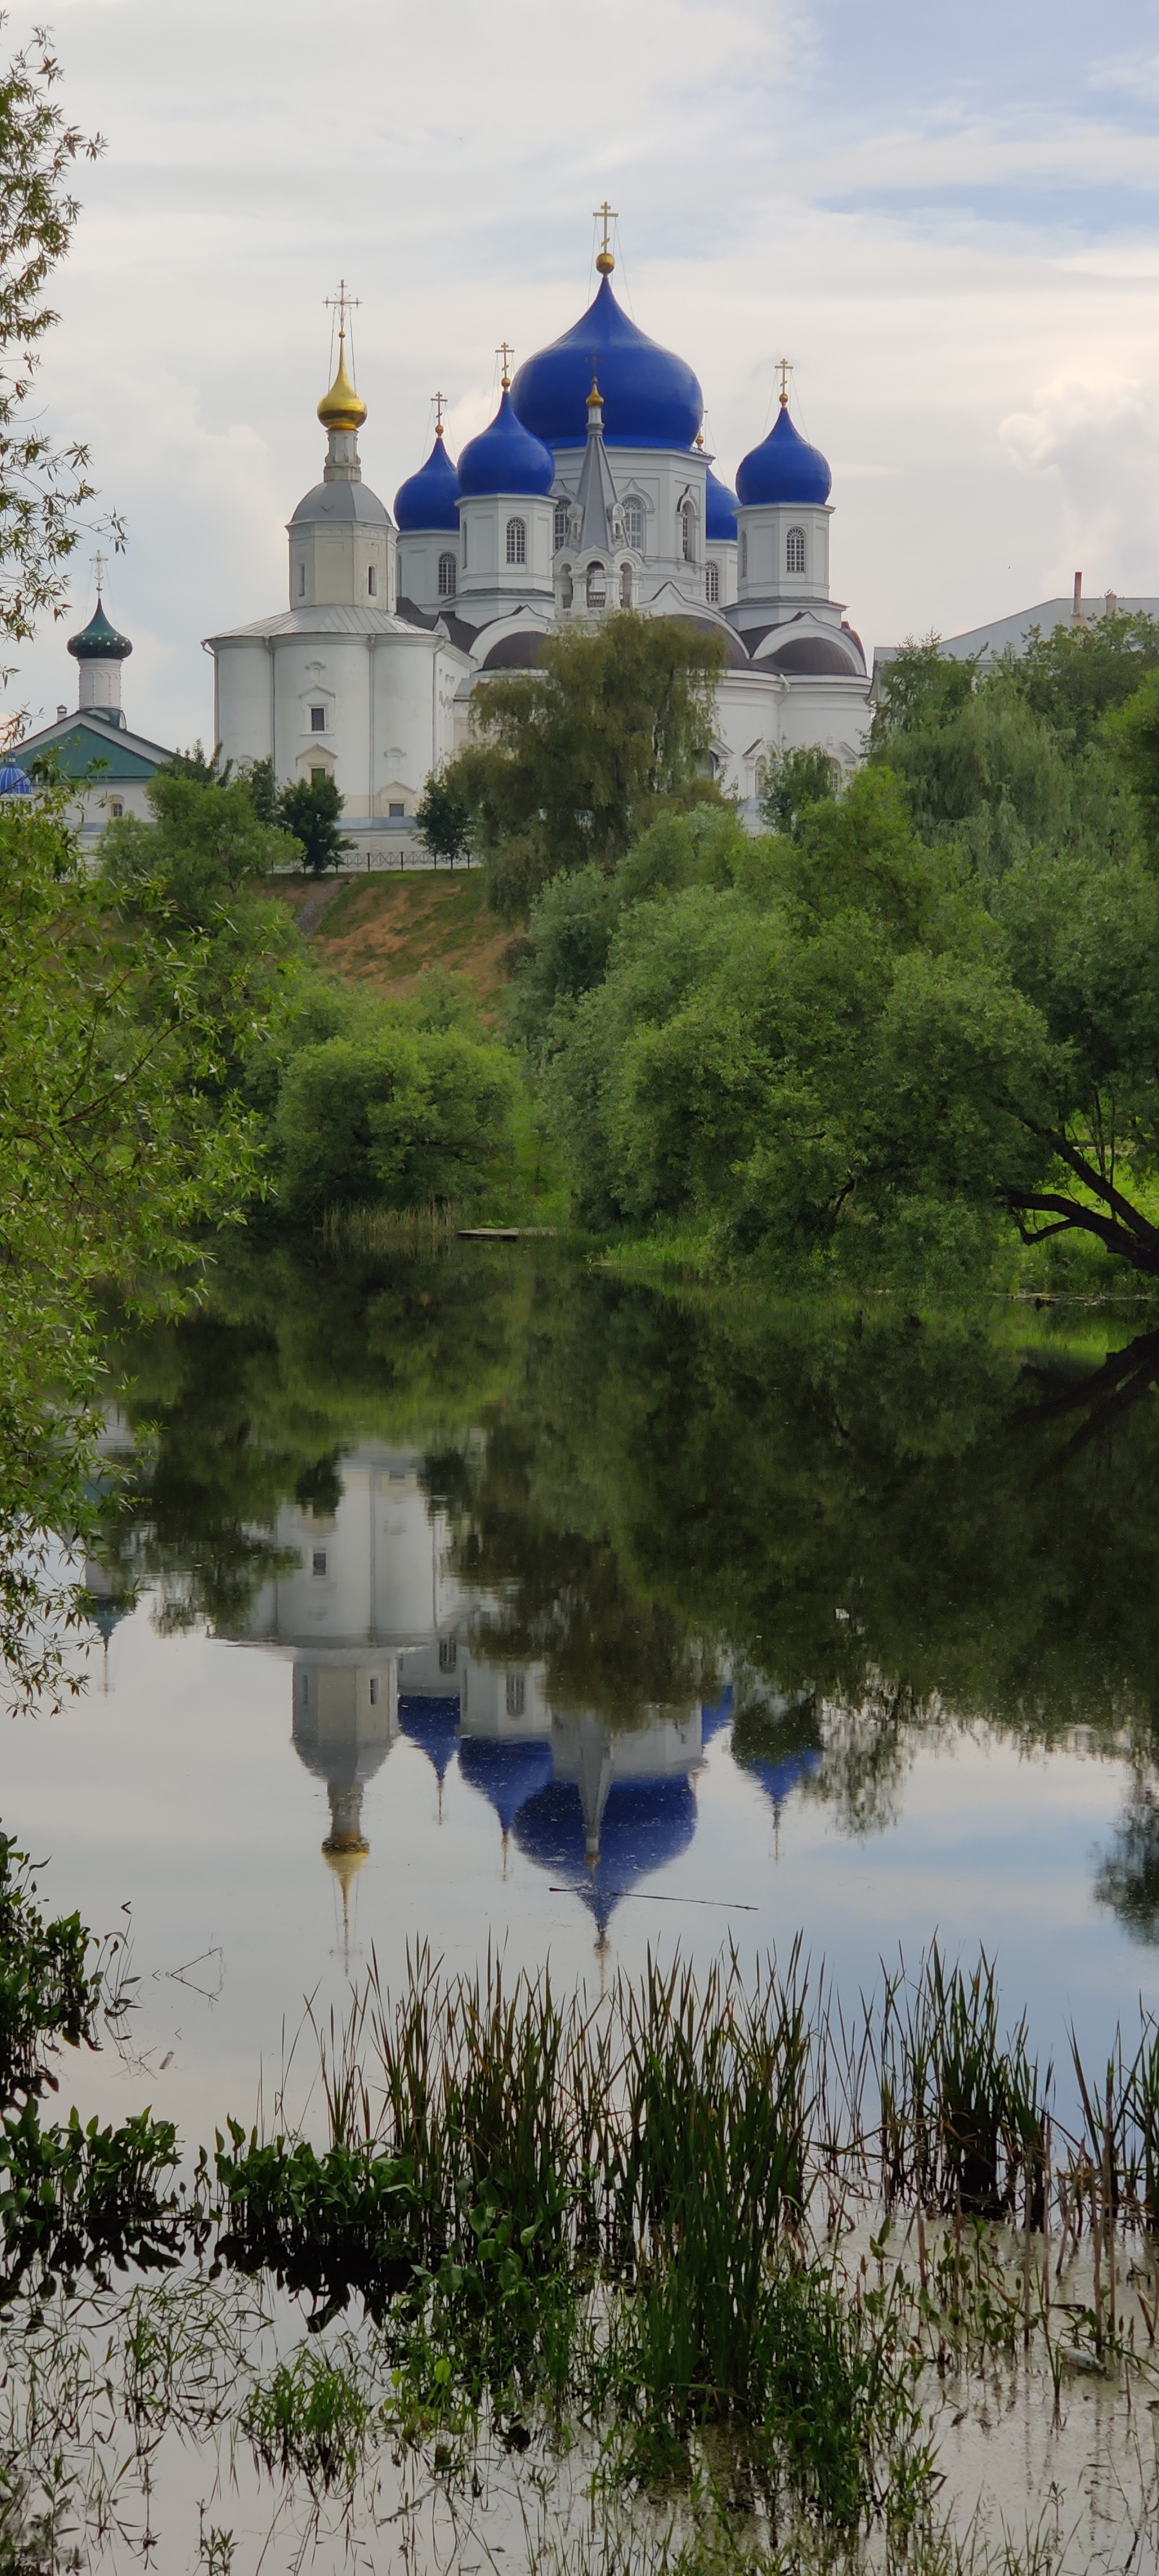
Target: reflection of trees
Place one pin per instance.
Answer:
(254, 1396)
(880, 1524)
(1128, 1876)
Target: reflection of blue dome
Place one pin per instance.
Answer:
(505, 458)
(645, 1824)
(427, 499)
(712, 1719)
(433, 1724)
(778, 1779)
(719, 510)
(783, 468)
(650, 398)
(507, 1774)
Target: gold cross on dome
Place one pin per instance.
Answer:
(605, 215)
(784, 366)
(440, 403)
(505, 354)
(342, 304)
(100, 565)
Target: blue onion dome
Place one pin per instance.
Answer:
(14, 781)
(784, 468)
(507, 1774)
(505, 458)
(779, 1779)
(98, 641)
(719, 510)
(432, 1724)
(651, 398)
(427, 499)
(645, 1824)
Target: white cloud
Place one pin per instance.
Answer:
(1098, 443)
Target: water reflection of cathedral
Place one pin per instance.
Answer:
(379, 1629)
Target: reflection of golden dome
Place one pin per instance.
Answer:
(342, 408)
(344, 1854)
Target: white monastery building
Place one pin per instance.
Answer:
(591, 490)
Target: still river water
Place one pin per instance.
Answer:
(478, 1599)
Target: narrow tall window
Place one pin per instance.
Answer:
(371, 582)
(463, 534)
(301, 581)
(446, 576)
(688, 533)
(319, 1560)
(744, 554)
(634, 525)
(516, 541)
(625, 585)
(317, 719)
(566, 587)
(795, 550)
(597, 586)
(374, 1690)
(448, 1654)
(560, 524)
(516, 1694)
(712, 584)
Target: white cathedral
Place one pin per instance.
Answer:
(591, 490)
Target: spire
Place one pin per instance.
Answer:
(596, 495)
(605, 215)
(784, 366)
(342, 410)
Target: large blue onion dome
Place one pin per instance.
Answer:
(427, 499)
(645, 1824)
(507, 1774)
(719, 510)
(650, 397)
(432, 1724)
(779, 1779)
(784, 468)
(505, 458)
(98, 641)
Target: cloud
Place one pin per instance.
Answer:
(1098, 443)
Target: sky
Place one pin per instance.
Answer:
(947, 220)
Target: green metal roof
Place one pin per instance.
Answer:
(84, 745)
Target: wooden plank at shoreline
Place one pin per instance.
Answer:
(504, 1233)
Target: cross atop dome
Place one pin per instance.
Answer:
(605, 215)
(342, 409)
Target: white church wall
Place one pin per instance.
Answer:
(243, 698)
(420, 554)
(489, 584)
(330, 672)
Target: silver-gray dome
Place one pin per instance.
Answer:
(335, 503)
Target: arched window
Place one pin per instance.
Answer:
(371, 582)
(446, 576)
(761, 778)
(744, 554)
(516, 541)
(625, 585)
(712, 584)
(795, 550)
(562, 515)
(634, 525)
(597, 586)
(688, 533)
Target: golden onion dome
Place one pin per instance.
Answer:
(342, 408)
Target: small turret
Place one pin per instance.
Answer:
(100, 651)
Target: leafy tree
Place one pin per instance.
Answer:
(797, 778)
(442, 819)
(1132, 733)
(573, 760)
(395, 1115)
(311, 809)
(1075, 676)
(43, 488)
(920, 689)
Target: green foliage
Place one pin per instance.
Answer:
(575, 758)
(310, 810)
(311, 2417)
(796, 779)
(1132, 731)
(443, 820)
(49, 1989)
(1074, 677)
(43, 488)
(204, 845)
(394, 1114)
(920, 690)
